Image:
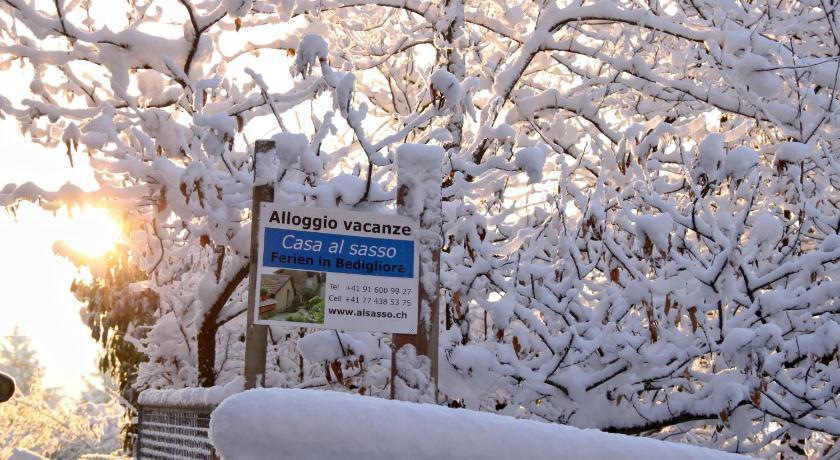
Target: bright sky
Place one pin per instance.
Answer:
(35, 282)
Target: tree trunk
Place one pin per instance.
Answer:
(206, 339)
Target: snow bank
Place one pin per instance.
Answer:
(301, 424)
(192, 397)
(23, 454)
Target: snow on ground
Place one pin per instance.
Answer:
(301, 424)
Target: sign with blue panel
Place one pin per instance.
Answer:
(337, 269)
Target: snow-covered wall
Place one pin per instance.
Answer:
(301, 424)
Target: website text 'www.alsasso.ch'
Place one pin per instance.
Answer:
(368, 313)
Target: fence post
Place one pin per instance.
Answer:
(256, 335)
(138, 442)
(419, 176)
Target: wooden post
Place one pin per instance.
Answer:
(256, 335)
(419, 197)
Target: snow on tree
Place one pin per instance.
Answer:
(18, 359)
(62, 430)
(42, 420)
(640, 217)
(117, 313)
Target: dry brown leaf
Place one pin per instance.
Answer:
(456, 302)
(652, 323)
(648, 248)
(756, 397)
(327, 372)
(692, 315)
(336, 368)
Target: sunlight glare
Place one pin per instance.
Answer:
(92, 231)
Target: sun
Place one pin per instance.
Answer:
(92, 231)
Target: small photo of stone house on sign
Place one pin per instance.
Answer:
(292, 295)
(277, 293)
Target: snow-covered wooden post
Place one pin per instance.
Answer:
(256, 335)
(419, 175)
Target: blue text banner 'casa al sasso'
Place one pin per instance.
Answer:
(326, 252)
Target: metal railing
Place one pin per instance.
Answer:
(174, 433)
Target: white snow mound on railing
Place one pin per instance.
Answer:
(191, 397)
(310, 424)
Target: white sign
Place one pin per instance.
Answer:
(335, 269)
